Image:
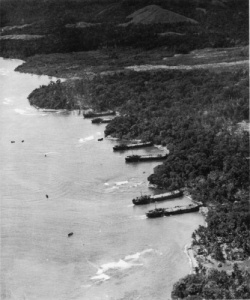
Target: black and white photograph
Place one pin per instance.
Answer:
(124, 150)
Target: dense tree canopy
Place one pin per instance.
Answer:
(214, 285)
(217, 26)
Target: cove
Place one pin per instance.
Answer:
(115, 251)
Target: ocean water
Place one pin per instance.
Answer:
(115, 251)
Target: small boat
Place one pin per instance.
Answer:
(12, 142)
(101, 139)
(70, 234)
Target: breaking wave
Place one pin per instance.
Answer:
(106, 271)
(142, 217)
(7, 101)
(121, 182)
(84, 140)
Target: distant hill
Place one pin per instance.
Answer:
(153, 14)
(84, 25)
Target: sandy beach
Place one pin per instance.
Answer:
(192, 260)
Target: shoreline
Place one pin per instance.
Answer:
(188, 250)
(194, 266)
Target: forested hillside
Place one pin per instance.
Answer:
(218, 26)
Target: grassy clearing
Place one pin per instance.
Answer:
(80, 64)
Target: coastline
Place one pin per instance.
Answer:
(188, 250)
(192, 260)
(192, 95)
(69, 242)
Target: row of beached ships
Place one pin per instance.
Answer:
(97, 118)
(162, 212)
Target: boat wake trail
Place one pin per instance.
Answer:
(52, 152)
(28, 112)
(142, 217)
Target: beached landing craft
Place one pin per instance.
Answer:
(96, 121)
(106, 120)
(155, 213)
(122, 147)
(137, 158)
(100, 114)
(146, 199)
(161, 212)
(100, 120)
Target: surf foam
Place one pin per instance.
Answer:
(112, 268)
(111, 189)
(84, 140)
(121, 182)
(7, 101)
(24, 112)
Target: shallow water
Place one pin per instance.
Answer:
(115, 252)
